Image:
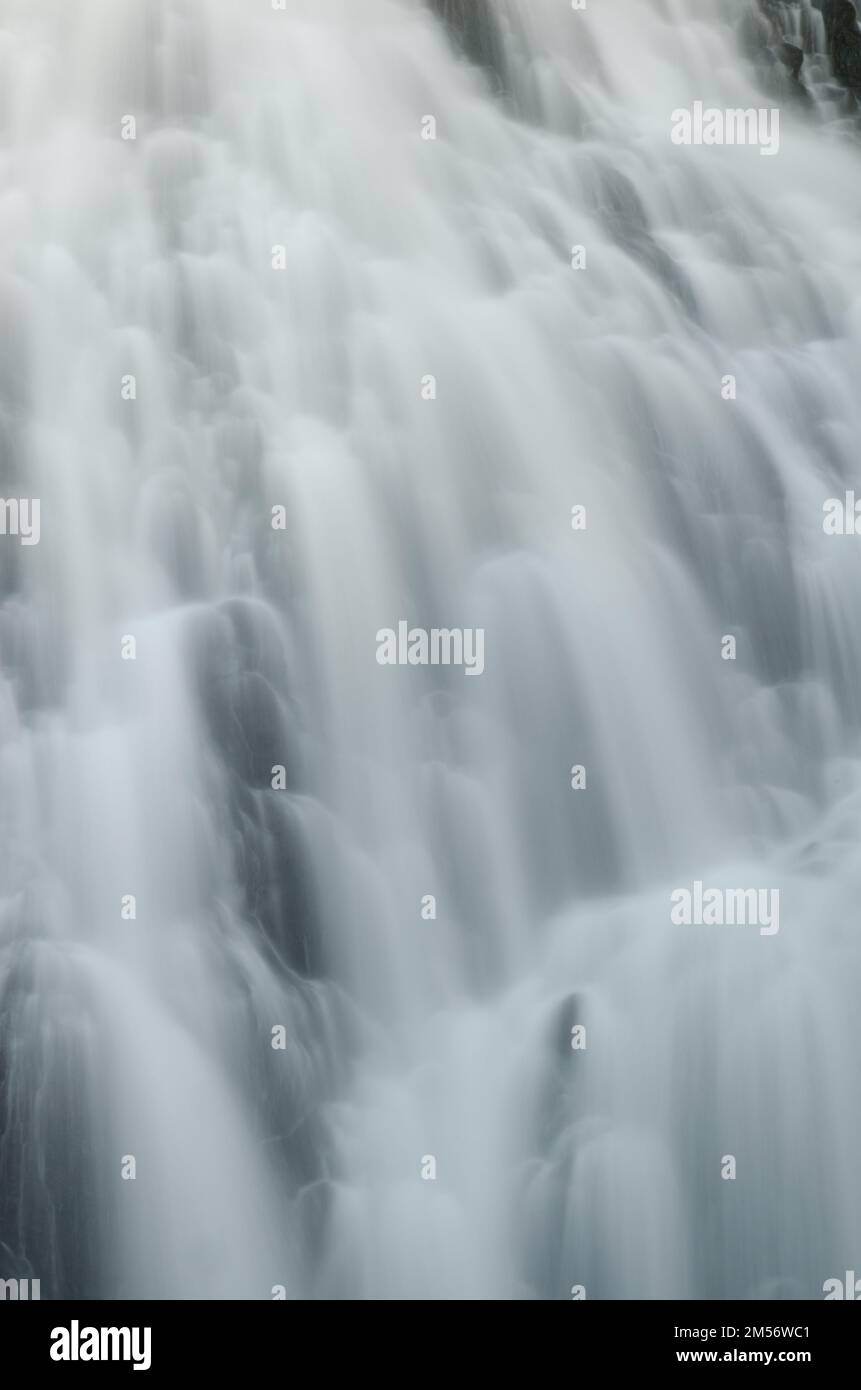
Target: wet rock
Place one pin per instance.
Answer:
(239, 681)
(625, 220)
(844, 40)
(846, 56)
(475, 29)
(791, 57)
(838, 15)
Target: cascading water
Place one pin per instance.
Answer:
(231, 264)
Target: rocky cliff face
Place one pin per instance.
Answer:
(810, 49)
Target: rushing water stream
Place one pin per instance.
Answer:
(230, 261)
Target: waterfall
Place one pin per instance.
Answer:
(322, 977)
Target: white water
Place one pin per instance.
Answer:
(255, 647)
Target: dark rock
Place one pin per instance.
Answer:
(762, 35)
(838, 15)
(844, 39)
(846, 56)
(475, 29)
(625, 220)
(791, 57)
